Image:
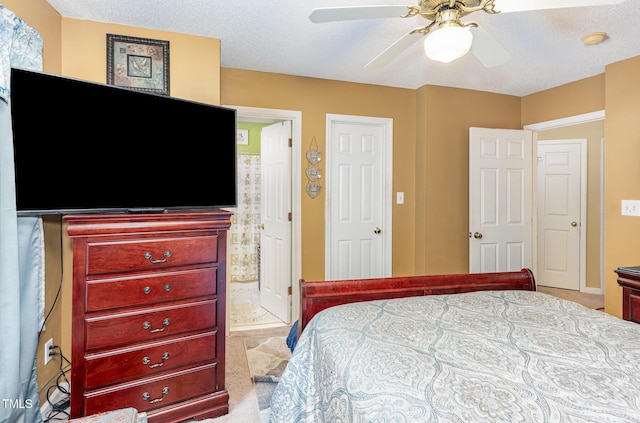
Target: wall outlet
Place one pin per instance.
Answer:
(630, 207)
(47, 351)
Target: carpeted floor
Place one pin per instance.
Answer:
(267, 358)
(243, 401)
(587, 300)
(248, 322)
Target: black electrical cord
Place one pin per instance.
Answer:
(59, 410)
(55, 300)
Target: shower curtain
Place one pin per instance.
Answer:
(21, 245)
(245, 235)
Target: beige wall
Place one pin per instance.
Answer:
(446, 114)
(315, 98)
(194, 61)
(435, 243)
(622, 174)
(583, 96)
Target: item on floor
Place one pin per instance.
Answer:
(267, 358)
(292, 338)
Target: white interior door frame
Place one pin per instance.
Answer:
(245, 113)
(583, 203)
(387, 164)
(575, 120)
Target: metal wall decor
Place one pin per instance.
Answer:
(314, 173)
(314, 155)
(313, 190)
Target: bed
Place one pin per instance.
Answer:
(456, 348)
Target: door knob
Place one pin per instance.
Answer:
(477, 235)
(574, 223)
(261, 226)
(377, 230)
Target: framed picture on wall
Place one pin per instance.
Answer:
(138, 63)
(242, 137)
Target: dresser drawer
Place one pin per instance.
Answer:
(105, 294)
(150, 393)
(126, 364)
(149, 324)
(633, 297)
(106, 257)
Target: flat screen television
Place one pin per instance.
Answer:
(85, 147)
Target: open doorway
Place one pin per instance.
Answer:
(588, 126)
(245, 307)
(245, 253)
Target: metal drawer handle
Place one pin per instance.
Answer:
(147, 361)
(147, 289)
(147, 395)
(147, 325)
(149, 257)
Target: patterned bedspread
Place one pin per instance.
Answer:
(492, 356)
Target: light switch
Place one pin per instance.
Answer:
(400, 198)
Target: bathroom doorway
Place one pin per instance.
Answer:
(244, 308)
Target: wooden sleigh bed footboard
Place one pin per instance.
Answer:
(319, 295)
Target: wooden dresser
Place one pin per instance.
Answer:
(148, 319)
(629, 280)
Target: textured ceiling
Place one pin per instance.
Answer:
(277, 36)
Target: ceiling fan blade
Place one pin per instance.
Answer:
(506, 6)
(487, 49)
(333, 14)
(395, 49)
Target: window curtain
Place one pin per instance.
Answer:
(21, 245)
(245, 235)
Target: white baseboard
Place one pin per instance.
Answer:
(595, 291)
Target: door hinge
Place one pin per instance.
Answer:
(290, 142)
(290, 216)
(289, 291)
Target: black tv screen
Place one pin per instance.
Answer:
(84, 147)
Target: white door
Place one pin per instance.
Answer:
(500, 200)
(275, 234)
(559, 220)
(358, 197)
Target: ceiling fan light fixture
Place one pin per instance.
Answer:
(448, 43)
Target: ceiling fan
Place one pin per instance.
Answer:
(448, 38)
